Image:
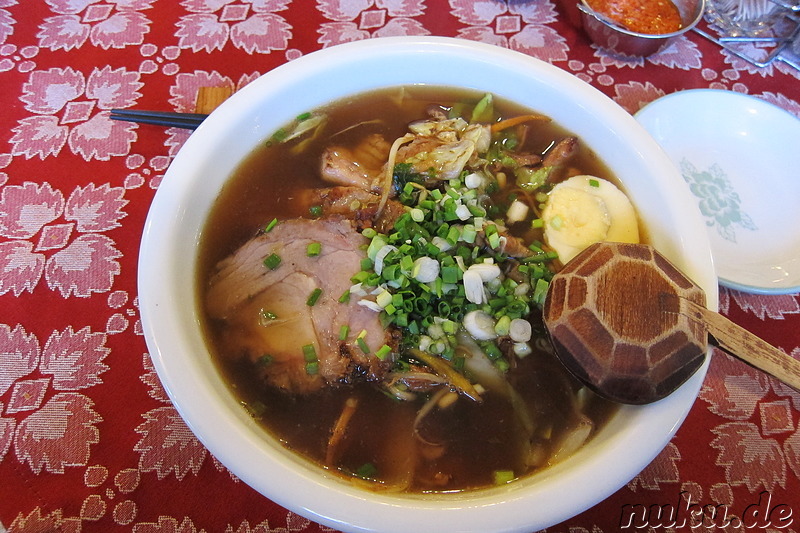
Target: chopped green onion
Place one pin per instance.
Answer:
(383, 351)
(491, 350)
(540, 291)
(279, 135)
(529, 179)
(309, 353)
(315, 210)
(502, 365)
(476, 210)
(453, 235)
(468, 234)
(383, 298)
(359, 277)
(484, 109)
(265, 317)
(314, 296)
(272, 261)
(537, 223)
(362, 344)
(265, 360)
(406, 263)
(450, 274)
(503, 325)
(494, 240)
(344, 331)
(366, 471)
(312, 368)
(345, 297)
(377, 242)
(503, 476)
(594, 183)
(313, 249)
(390, 272)
(272, 224)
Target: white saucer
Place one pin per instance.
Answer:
(741, 159)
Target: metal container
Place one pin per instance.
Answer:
(610, 35)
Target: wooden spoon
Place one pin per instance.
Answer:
(631, 326)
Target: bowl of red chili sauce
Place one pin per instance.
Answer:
(638, 27)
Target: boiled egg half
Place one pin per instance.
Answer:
(583, 210)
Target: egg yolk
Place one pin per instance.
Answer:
(578, 217)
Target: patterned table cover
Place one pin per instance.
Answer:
(89, 440)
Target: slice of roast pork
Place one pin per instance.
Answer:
(266, 311)
(356, 204)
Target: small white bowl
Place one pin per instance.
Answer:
(170, 317)
(735, 153)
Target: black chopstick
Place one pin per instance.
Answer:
(170, 119)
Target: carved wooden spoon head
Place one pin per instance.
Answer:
(614, 316)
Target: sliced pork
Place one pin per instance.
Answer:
(359, 166)
(268, 313)
(357, 204)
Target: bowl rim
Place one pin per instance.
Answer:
(224, 428)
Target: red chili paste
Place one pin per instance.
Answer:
(641, 16)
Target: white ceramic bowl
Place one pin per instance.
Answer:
(721, 140)
(171, 322)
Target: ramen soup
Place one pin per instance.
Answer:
(372, 278)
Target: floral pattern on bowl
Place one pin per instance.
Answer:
(719, 202)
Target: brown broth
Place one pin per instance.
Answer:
(480, 438)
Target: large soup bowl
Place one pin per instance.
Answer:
(170, 309)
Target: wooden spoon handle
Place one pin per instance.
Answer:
(746, 346)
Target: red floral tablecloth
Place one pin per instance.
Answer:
(88, 438)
